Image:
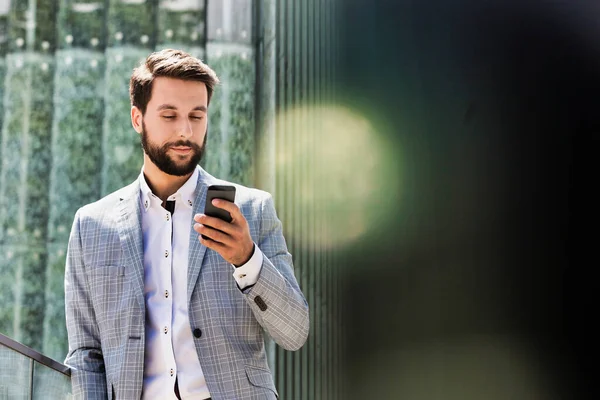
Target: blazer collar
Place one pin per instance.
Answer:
(130, 233)
(196, 249)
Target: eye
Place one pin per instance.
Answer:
(168, 116)
(197, 118)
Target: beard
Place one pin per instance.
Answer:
(160, 157)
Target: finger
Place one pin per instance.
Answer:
(211, 244)
(213, 234)
(214, 222)
(233, 209)
(216, 246)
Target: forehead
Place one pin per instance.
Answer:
(178, 92)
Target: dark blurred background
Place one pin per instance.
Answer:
(479, 286)
(432, 163)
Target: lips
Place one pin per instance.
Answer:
(181, 149)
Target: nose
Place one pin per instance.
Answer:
(185, 130)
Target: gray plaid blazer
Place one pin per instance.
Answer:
(105, 310)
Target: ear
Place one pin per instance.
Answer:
(136, 119)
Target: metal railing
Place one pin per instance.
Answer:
(27, 374)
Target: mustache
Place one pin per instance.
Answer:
(182, 143)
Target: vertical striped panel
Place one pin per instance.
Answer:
(265, 33)
(229, 51)
(293, 91)
(76, 145)
(6, 294)
(131, 36)
(4, 9)
(25, 159)
(181, 25)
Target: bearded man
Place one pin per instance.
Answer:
(163, 301)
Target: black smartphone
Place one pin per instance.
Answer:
(225, 192)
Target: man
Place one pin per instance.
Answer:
(154, 310)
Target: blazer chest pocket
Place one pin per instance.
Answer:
(106, 286)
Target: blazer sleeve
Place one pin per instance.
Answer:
(276, 299)
(85, 358)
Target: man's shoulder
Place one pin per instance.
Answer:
(243, 194)
(108, 202)
(247, 196)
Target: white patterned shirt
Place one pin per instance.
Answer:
(170, 352)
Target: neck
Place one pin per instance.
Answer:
(162, 185)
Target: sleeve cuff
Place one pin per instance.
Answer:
(247, 274)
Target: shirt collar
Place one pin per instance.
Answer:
(185, 195)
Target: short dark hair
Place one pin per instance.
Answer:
(169, 63)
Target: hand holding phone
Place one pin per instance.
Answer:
(234, 242)
(225, 192)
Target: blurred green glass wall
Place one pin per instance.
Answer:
(66, 140)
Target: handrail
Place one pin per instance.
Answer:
(29, 352)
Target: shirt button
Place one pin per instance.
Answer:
(241, 276)
(166, 330)
(172, 372)
(167, 294)
(190, 202)
(166, 253)
(167, 217)
(146, 204)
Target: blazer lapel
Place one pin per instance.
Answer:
(130, 233)
(196, 249)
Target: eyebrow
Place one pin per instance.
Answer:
(172, 107)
